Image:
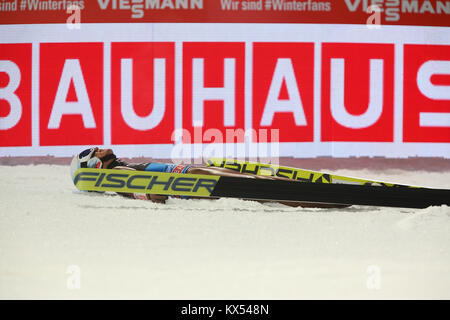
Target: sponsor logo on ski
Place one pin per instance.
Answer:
(166, 183)
(293, 173)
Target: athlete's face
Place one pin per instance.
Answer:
(101, 153)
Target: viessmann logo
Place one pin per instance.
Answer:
(138, 7)
(393, 9)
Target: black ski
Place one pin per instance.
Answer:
(405, 197)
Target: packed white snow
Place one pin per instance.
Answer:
(60, 243)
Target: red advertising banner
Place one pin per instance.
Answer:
(426, 100)
(126, 93)
(71, 78)
(174, 89)
(383, 12)
(213, 88)
(358, 92)
(142, 92)
(283, 89)
(15, 95)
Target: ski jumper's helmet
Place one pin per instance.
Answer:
(85, 159)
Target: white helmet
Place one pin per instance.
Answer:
(84, 159)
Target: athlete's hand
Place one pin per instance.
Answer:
(123, 168)
(158, 198)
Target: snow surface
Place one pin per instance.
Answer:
(224, 249)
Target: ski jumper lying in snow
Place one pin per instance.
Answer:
(106, 159)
